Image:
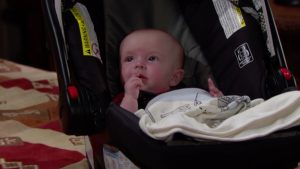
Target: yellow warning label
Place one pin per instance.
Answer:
(240, 16)
(84, 34)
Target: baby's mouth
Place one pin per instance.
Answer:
(142, 77)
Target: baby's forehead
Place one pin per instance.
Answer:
(145, 35)
(145, 39)
(151, 40)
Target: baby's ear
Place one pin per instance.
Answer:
(177, 77)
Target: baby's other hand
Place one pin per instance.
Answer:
(213, 90)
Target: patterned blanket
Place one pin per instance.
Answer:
(30, 131)
(27, 94)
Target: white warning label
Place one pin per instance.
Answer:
(230, 16)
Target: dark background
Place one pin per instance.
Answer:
(22, 33)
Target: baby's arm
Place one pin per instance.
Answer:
(213, 90)
(132, 89)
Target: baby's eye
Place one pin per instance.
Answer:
(152, 58)
(128, 59)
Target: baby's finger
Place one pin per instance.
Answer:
(213, 90)
(137, 82)
(211, 84)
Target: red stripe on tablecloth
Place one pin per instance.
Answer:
(44, 156)
(21, 82)
(26, 84)
(53, 125)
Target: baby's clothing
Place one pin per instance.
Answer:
(143, 99)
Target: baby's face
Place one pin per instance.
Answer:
(149, 57)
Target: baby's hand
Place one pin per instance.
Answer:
(213, 90)
(132, 87)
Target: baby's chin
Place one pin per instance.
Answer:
(154, 91)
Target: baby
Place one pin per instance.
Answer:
(151, 60)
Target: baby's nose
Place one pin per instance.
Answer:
(140, 65)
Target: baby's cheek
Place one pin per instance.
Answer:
(156, 77)
(125, 75)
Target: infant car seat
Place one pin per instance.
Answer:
(84, 37)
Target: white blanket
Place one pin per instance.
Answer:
(193, 112)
